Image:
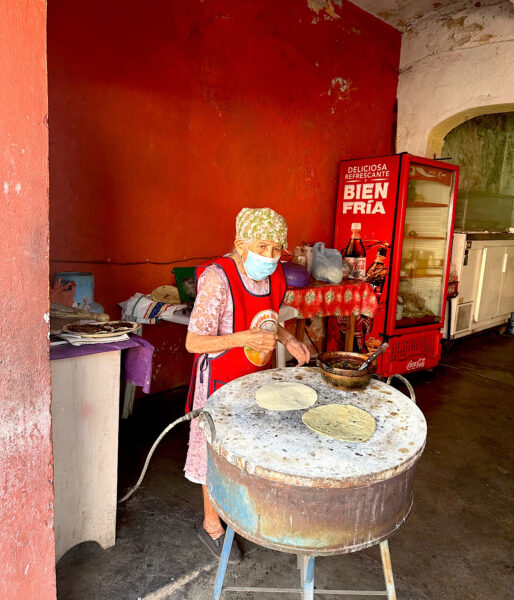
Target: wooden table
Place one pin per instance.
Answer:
(85, 412)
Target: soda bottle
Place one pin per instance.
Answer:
(377, 272)
(355, 254)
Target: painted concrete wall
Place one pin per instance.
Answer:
(456, 63)
(168, 117)
(27, 562)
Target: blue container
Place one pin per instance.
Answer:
(85, 287)
(85, 284)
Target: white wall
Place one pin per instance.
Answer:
(454, 66)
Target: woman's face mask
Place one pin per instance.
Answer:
(259, 267)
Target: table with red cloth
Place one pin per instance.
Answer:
(352, 298)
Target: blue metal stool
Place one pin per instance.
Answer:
(306, 567)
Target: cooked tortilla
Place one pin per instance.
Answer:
(341, 421)
(285, 395)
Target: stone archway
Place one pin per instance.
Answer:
(437, 134)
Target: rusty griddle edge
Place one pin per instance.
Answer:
(299, 520)
(308, 551)
(301, 480)
(270, 472)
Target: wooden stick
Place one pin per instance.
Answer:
(68, 312)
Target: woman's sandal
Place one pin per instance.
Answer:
(216, 546)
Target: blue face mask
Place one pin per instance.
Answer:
(259, 267)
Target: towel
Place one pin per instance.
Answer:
(140, 308)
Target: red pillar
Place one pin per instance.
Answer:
(26, 491)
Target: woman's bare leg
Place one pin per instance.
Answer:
(211, 522)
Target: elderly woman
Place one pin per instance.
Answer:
(233, 331)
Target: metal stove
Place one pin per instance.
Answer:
(285, 487)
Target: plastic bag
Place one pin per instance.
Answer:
(327, 263)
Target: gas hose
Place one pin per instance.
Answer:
(188, 417)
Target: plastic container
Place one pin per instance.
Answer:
(296, 275)
(85, 290)
(85, 284)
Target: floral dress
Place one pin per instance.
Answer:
(212, 315)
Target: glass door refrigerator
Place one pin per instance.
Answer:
(405, 207)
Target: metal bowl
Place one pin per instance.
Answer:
(347, 379)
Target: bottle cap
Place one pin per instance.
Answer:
(356, 225)
(382, 251)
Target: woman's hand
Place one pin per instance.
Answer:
(294, 347)
(258, 339)
(298, 351)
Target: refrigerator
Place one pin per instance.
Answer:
(484, 269)
(406, 205)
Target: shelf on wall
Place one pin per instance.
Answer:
(422, 237)
(426, 204)
(419, 276)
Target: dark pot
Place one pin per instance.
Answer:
(347, 379)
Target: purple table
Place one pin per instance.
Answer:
(137, 363)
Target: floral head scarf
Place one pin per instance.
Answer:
(261, 224)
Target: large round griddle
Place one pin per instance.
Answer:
(284, 486)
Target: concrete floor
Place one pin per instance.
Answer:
(455, 545)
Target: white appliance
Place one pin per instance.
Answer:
(484, 265)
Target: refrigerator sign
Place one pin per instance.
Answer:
(365, 188)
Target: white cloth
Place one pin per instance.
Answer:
(140, 308)
(77, 340)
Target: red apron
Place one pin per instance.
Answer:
(250, 311)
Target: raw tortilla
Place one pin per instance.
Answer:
(341, 421)
(285, 395)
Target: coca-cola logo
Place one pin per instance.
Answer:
(416, 364)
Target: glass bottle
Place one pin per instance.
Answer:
(377, 272)
(355, 254)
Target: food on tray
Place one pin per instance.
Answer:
(119, 325)
(100, 329)
(86, 328)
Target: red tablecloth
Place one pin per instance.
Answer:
(320, 299)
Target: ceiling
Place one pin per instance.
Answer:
(403, 14)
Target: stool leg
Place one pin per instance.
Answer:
(306, 565)
(388, 570)
(222, 567)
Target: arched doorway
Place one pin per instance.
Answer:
(483, 247)
(437, 135)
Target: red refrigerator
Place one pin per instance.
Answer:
(405, 206)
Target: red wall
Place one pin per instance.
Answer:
(27, 560)
(167, 117)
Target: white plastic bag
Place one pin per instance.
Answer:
(327, 263)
